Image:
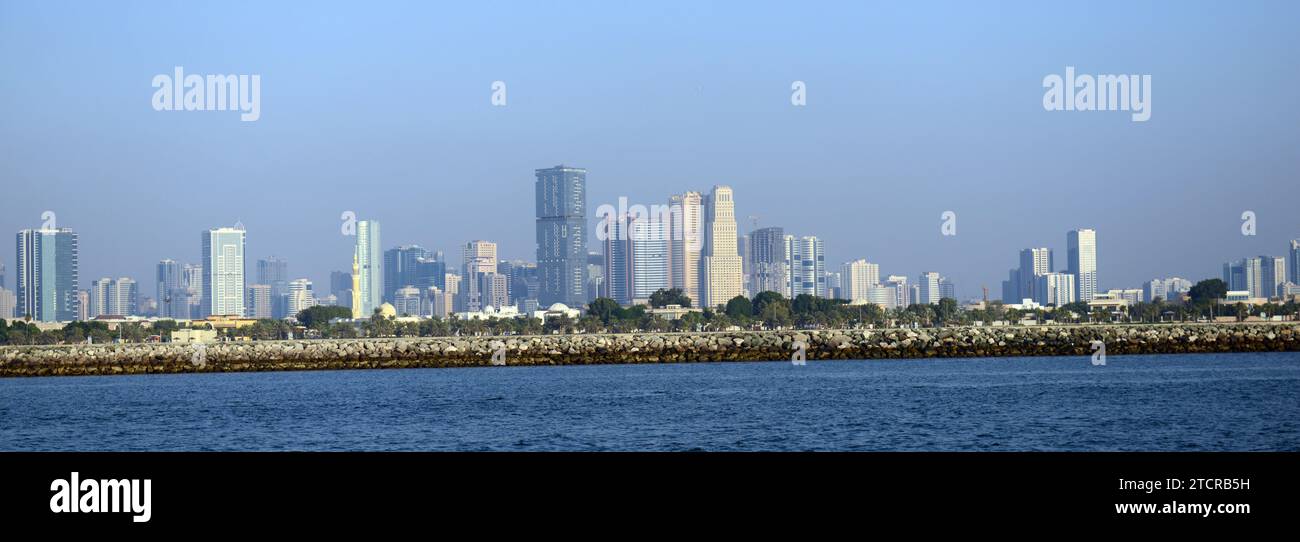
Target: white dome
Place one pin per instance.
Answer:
(558, 307)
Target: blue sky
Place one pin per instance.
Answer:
(914, 108)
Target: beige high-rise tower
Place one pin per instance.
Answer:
(358, 312)
(722, 267)
(687, 243)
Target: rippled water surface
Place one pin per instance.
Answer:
(1194, 402)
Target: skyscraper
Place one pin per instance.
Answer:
(947, 288)
(274, 272)
(1055, 289)
(650, 258)
(8, 302)
(561, 197)
(401, 269)
(258, 301)
(167, 282)
(687, 242)
(807, 267)
(721, 263)
(1081, 256)
(929, 288)
(407, 301)
(769, 268)
(479, 258)
(223, 272)
(341, 287)
(618, 262)
(1293, 262)
(1272, 275)
(370, 268)
(858, 277)
(1247, 274)
(300, 296)
(1034, 262)
(356, 304)
(898, 283)
(47, 275)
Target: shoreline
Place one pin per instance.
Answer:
(688, 347)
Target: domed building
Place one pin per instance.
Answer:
(557, 310)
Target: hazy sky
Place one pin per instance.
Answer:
(912, 109)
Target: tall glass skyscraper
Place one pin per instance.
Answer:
(1293, 262)
(401, 269)
(47, 275)
(274, 272)
(223, 272)
(807, 266)
(1081, 250)
(370, 267)
(561, 194)
(168, 283)
(769, 267)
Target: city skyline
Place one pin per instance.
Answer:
(224, 287)
(885, 144)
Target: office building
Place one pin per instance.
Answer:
(928, 288)
(47, 280)
(561, 198)
(859, 276)
(370, 269)
(687, 242)
(8, 303)
(1272, 272)
(1055, 289)
(223, 272)
(648, 238)
(807, 266)
(721, 266)
(258, 301)
(1034, 262)
(769, 265)
(300, 296)
(1081, 255)
(407, 301)
(1293, 262)
(113, 297)
(167, 282)
(402, 269)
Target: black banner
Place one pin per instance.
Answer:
(164, 492)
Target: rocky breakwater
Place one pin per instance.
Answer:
(644, 348)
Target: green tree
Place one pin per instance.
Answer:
(739, 308)
(948, 311)
(318, 317)
(605, 309)
(1208, 290)
(663, 297)
(764, 298)
(776, 315)
(803, 304)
